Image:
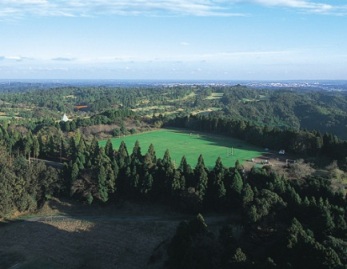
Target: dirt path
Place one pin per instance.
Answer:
(124, 218)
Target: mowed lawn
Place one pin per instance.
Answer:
(191, 144)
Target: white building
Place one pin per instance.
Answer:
(65, 118)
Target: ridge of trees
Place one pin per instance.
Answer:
(302, 142)
(296, 109)
(275, 220)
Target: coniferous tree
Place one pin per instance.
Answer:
(110, 179)
(35, 147)
(152, 154)
(109, 149)
(163, 178)
(136, 154)
(122, 155)
(94, 150)
(201, 178)
(216, 191)
(186, 171)
(237, 183)
(74, 172)
(178, 183)
(102, 184)
(146, 184)
(247, 194)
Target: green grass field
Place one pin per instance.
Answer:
(5, 118)
(191, 145)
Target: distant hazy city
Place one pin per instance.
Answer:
(328, 85)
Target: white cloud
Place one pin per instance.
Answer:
(63, 8)
(63, 59)
(137, 59)
(24, 2)
(183, 43)
(8, 11)
(304, 5)
(316, 7)
(16, 58)
(120, 7)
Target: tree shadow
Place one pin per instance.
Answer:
(81, 237)
(234, 149)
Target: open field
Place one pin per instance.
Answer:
(66, 234)
(5, 118)
(207, 110)
(191, 145)
(191, 95)
(70, 235)
(215, 96)
(185, 98)
(151, 108)
(258, 99)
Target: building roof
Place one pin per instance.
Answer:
(65, 118)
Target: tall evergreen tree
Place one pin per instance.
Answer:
(201, 178)
(237, 183)
(102, 184)
(151, 153)
(216, 191)
(122, 155)
(186, 171)
(109, 149)
(136, 156)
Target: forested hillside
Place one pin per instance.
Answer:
(322, 111)
(283, 108)
(272, 220)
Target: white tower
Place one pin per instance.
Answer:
(65, 118)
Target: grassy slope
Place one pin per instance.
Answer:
(65, 234)
(110, 237)
(191, 145)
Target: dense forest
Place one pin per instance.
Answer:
(284, 108)
(274, 222)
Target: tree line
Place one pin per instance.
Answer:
(281, 217)
(302, 142)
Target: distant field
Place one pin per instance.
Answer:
(5, 118)
(191, 95)
(209, 109)
(260, 98)
(191, 145)
(215, 96)
(151, 108)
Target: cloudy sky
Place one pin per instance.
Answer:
(173, 39)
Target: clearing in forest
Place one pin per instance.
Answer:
(191, 144)
(215, 96)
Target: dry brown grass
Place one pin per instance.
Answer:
(87, 237)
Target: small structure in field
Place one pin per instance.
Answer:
(64, 118)
(282, 152)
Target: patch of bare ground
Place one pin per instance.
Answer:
(288, 165)
(104, 131)
(66, 235)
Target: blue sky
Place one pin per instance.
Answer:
(173, 39)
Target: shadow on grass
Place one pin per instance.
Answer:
(217, 140)
(72, 241)
(242, 149)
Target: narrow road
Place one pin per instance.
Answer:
(57, 165)
(209, 219)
